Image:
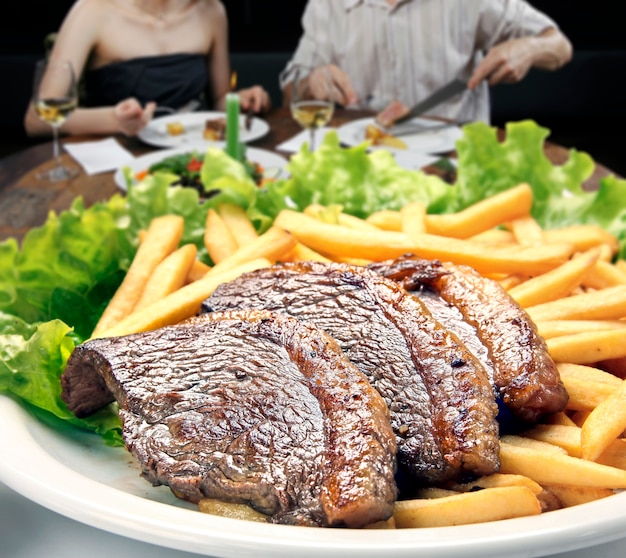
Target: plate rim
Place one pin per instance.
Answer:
(26, 469)
(345, 138)
(144, 136)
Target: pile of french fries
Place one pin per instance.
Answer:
(566, 279)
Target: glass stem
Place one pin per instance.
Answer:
(55, 145)
(312, 132)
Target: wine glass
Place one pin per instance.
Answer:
(55, 96)
(311, 100)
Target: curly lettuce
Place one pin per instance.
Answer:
(32, 358)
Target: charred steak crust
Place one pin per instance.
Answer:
(524, 374)
(251, 407)
(440, 398)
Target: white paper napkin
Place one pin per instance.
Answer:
(293, 144)
(99, 156)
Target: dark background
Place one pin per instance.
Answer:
(582, 104)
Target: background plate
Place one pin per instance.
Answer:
(438, 140)
(76, 475)
(273, 164)
(155, 133)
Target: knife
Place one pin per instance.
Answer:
(455, 87)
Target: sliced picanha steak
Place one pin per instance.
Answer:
(441, 401)
(253, 407)
(524, 374)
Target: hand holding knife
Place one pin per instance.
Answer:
(449, 90)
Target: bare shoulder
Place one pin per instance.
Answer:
(88, 10)
(82, 22)
(212, 10)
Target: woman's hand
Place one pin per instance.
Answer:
(131, 117)
(255, 99)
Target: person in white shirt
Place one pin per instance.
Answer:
(381, 51)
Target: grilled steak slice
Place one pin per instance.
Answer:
(441, 402)
(250, 407)
(524, 374)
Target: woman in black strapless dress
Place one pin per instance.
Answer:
(136, 55)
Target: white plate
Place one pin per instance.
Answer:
(436, 140)
(155, 133)
(76, 475)
(274, 165)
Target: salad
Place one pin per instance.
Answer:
(186, 167)
(54, 286)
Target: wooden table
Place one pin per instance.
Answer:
(25, 201)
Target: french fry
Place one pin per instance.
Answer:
(508, 281)
(392, 141)
(614, 455)
(356, 223)
(168, 276)
(434, 492)
(495, 236)
(569, 371)
(387, 524)
(238, 223)
(386, 220)
(231, 510)
(490, 504)
(483, 215)
(606, 304)
(576, 495)
(498, 480)
(413, 217)
(302, 253)
(604, 424)
(560, 418)
(160, 240)
(530, 443)
(197, 271)
(588, 347)
(181, 304)
(550, 468)
(607, 251)
(527, 231)
(380, 245)
(585, 396)
(603, 275)
(334, 215)
(566, 437)
(379, 137)
(556, 283)
(219, 241)
(583, 237)
(271, 245)
(557, 328)
(586, 386)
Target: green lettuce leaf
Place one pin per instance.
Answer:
(32, 359)
(358, 181)
(65, 269)
(487, 166)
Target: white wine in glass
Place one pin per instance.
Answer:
(55, 96)
(311, 101)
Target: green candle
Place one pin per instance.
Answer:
(232, 125)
